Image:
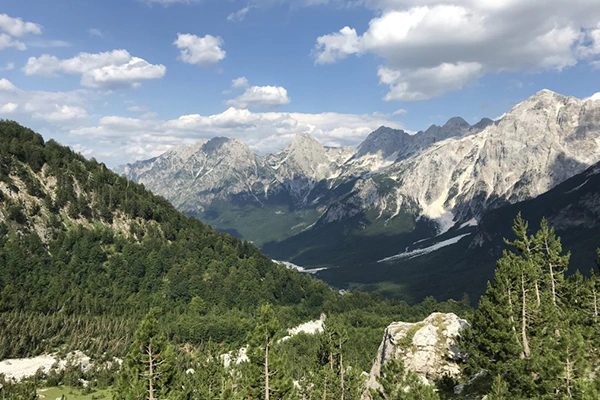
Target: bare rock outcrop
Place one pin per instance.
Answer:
(427, 348)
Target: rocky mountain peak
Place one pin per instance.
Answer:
(384, 141)
(456, 123)
(303, 139)
(303, 157)
(456, 126)
(223, 145)
(481, 125)
(185, 152)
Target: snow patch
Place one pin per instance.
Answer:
(426, 250)
(578, 187)
(298, 268)
(471, 222)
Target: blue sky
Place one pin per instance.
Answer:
(125, 80)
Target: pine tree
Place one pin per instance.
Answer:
(149, 370)
(399, 384)
(499, 390)
(531, 324)
(266, 377)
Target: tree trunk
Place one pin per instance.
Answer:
(568, 377)
(267, 390)
(341, 375)
(151, 374)
(595, 306)
(526, 350)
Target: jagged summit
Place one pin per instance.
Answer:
(450, 173)
(482, 124)
(456, 123)
(219, 144)
(383, 141)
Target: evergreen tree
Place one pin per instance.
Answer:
(399, 384)
(499, 390)
(530, 326)
(149, 371)
(266, 378)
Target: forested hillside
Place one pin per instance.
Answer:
(85, 254)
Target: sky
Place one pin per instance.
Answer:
(124, 80)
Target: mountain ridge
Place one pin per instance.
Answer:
(397, 188)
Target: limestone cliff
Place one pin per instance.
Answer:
(427, 348)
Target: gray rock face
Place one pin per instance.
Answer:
(427, 348)
(449, 174)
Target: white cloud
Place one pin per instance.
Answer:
(95, 32)
(9, 108)
(17, 27)
(83, 150)
(57, 108)
(264, 132)
(239, 83)
(239, 15)
(137, 109)
(454, 42)
(62, 114)
(425, 83)
(401, 111)
(101, 70)
(202, 51)
(261, 96)
(48, 43)
(7, 41)
(7, 86)
(595, 96)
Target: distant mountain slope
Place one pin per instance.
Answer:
(468, 259)
(77, 240)
(395, 189)
(540, 143)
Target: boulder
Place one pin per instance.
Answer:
(427, 348)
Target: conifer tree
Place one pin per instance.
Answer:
(149, 370)
(399, 384)
(266, 377)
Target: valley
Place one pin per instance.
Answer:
(347, 209)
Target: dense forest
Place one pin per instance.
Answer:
(92, 262)
(86, 254)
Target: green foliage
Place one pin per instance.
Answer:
(399, 384)
(85, 255)
(149, 369)
(533, 330)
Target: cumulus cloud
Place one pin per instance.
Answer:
(434, 46)
(58, 108)
(17, 27)
(201, 51)
(9, 108)
(240, 83)
(100, 70)
(262, 97)
(8, 67)
(137, 138)
(7, 41)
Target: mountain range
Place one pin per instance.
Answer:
(346, 209)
